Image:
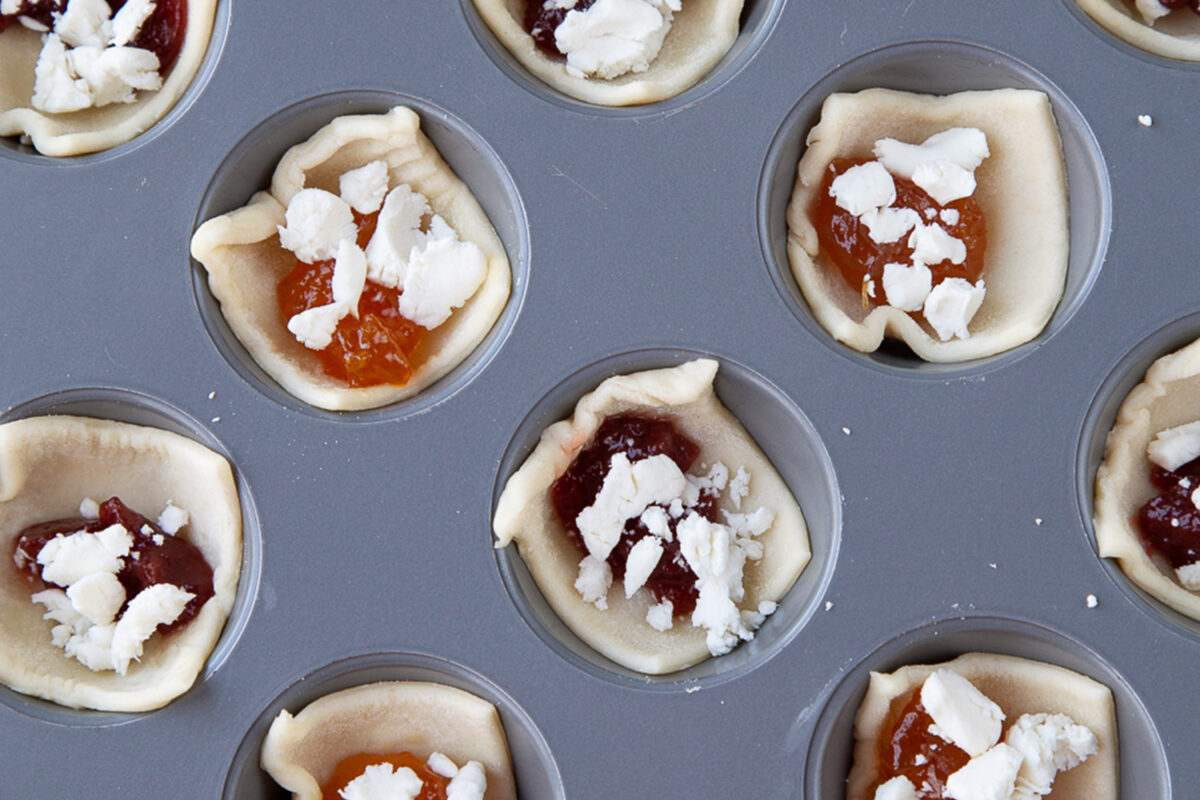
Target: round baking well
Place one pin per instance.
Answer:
(789, 441)
(248, 168)
(18, 149)
(940, 68)
(536, 772)
(757, 20)
(122, 405)
(1143, 761)
(1128, 373)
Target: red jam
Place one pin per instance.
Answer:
(847, 241)
(175, 561)
(542, 22)
(638, 437)
(374, 348)
(1170, 523)
(1194, 5)
(433, 785)
(906, 740)
(162, 33)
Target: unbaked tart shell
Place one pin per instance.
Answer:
(1019, 686)
(524, 515)
(1176, 35)
(700, 35)
(47, 466)
(1022, 192)
(1164, 399)
(92, 129)
(246, 262)
(301, 752)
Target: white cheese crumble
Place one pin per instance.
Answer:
(385, 782)
(86, 61)
(944, 167)
(1174, 447)
(1145, 120)
(1021, 767)
(715, 552)
(964, 716)
(89, 508)
(364, 188)
(1189, 576)
(614, 37)
(316, 223)
(1151, 10)
(87, 564)
(172, 518)
(898, 788)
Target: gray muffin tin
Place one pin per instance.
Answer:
(949, 506)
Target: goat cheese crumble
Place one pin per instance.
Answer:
(613, 37)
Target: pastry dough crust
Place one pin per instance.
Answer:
(1022, 191)
(1164, 399)
(421, 718)
(525, 515)
(701, 34)
(47, 466)
(1176, 35)
(245, 260)
(92, 129)
(1019, 686)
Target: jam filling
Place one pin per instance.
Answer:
(374, 348)
(433, 786)
(638, 437)
(542, 22)
(1194, 5)
(174, 561)
(162, 33)
(1170, 523)
(907, 741)
(847, 241)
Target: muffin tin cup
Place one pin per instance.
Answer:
(123, 405)
(533, 763)
(1143, 758)
(12, 147)
(248, 168)
(940, 67)
(789, 441)
(1125, 375)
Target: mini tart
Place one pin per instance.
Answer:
(47, 466)
(301, 752)
(92, 129)
(700, 35)
(1022, 192)
(1019, 686)
(525, 515)
(245, 260)
(1164, 399)
(1176, 35)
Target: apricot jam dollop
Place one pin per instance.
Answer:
(433, 786)
(151, 560)
(847, 241)
(372, 349)
(906, 740)
(638, 437)
(1169, 524)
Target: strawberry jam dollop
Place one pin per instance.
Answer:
(542, 20)
(906, 747)
(162, 33)
(1169, 524)
(847, 242)
(151, 560)
(433, 786)
(638, 437)
(372, 349)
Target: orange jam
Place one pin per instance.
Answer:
(906, 740)
(374, 348)
(433, 785)
(847, 241)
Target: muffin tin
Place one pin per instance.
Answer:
(948, 505)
